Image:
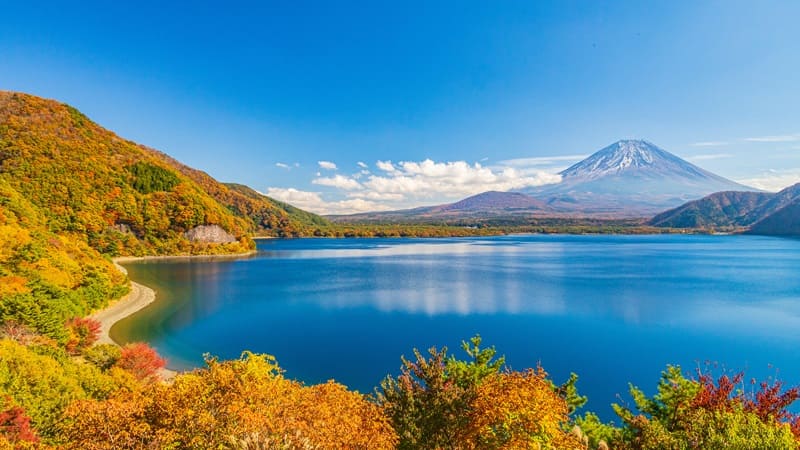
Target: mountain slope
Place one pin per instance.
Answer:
(764, 213)
(493, 201)
(267, 216)
(120, 197)
(722, 209)
(630, 178)
(272, 216)
(774, 204)
(47, 278)
(783, 222)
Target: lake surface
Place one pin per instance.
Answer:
(614, 309)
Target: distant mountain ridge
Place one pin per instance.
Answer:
(630, 178)
(495, 200)
(757, 212)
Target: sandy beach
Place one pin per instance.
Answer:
(139, 297)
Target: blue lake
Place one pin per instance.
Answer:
(614, 309)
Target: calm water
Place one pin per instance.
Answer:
(613, 309)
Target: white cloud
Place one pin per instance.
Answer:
(283, 166)
(777, 138)
(709, 144)
(362, 164)
(326, 165)
(431, 180)
(709, 156)
(338, 181)
(386, 166)
(773, 180)
(313, 202)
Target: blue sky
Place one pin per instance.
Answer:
(451, 98)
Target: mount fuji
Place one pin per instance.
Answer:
(630, 178)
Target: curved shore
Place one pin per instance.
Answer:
(138, 298)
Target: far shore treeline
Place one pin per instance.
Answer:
(73, 195)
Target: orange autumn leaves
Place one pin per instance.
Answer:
(520, 410)
(247, 403)
(232, 404)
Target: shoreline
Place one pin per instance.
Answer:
(139, 297)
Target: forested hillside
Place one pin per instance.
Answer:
(47, 278)
(117, 196)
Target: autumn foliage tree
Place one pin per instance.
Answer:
(15, 424)
(708, 412)
(445, 403)
(142, 361)
(83, 332)
(519, 410)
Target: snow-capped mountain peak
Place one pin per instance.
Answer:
(631, 177)
(624, 156)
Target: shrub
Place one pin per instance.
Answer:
(83, 332)
(142, 361)
(708, 413)
(104, 356)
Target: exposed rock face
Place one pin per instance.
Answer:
(123, 228)
(213, 234)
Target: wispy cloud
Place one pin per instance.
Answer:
(709, 144)
(773, 180)
(540, 161)
(362, 164)
(776, 138)
(283, 166)
(710, 156)
(326, 165)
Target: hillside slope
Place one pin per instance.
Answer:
(761, 212)
(46, 278)
(784, 222)
(120, 197)
(722, 209)
(272, 217)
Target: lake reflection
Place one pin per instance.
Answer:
(611, 308)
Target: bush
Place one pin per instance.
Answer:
(142, 361)
(104, 356)
(83, 332)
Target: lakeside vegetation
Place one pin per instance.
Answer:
(103, 397)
